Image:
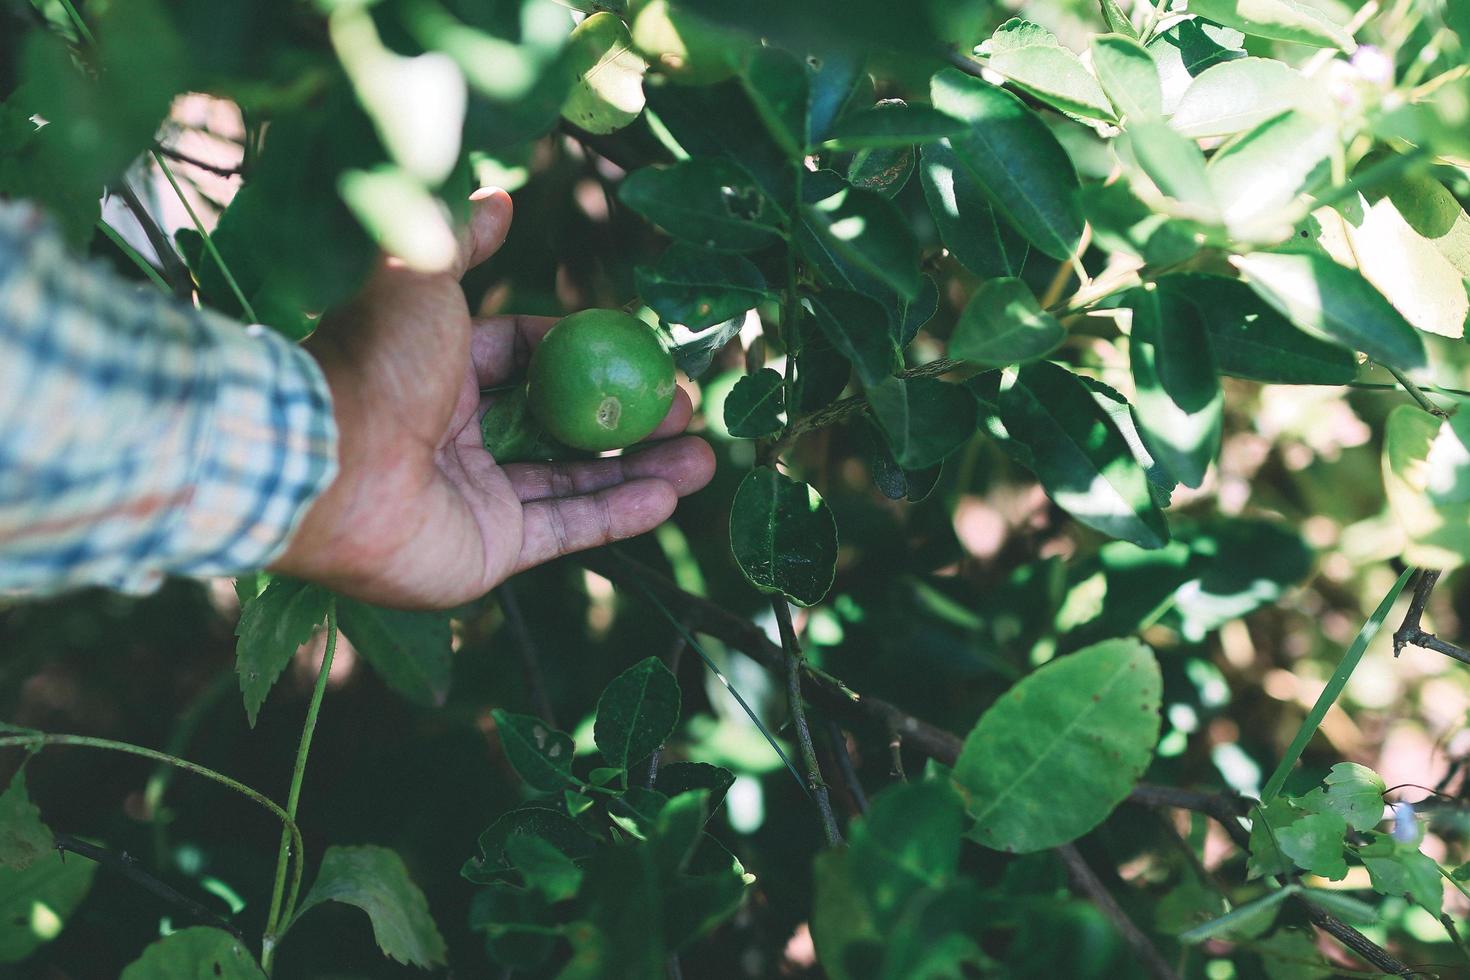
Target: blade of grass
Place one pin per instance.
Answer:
(208, 241)
(135, 255)
(1334, 687)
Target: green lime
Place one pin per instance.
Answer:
(600, 380)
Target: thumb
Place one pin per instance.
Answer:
(485, 232)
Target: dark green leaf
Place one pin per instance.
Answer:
(1128, 76)
(636, 713)
(1079, 455)
(1052, 758)
(1334, 303)
(198, 953)
(884, 171)
(1034, 60)
(893, 123)
(680, 777)
(1180, 405)
(719, 121)
(858, 328)
(409, 650)
(821, 373)
(694, 356)
(23, 837)
(778, 88)
(375, 880)
(1123, 223)
(892, 480)
(699, 288)
(783, 537)
(924, 419)
(753, 408)
(36, 902)
(272, 627)
(536, 821)
(544, 867)
(706, 201)
(541, 754)
(967, 222)
(865, 229)
(1015, 159)
(913, 314)
(1003, 324)
(516, 923)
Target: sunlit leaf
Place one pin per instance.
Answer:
(608, 93)
(1034, 60)
(1003, 324)
(1281, 20)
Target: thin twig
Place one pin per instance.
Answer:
(1412, 634)
(1086, 881)
(195, 162)
(126, 865)
(209, 245)
(180, 279)
(1416, 393)
(526, 650)
(791, 648)
(850, 780)
(895, 756)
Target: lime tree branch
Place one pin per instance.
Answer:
(180, 280)
(1086, 881)
(1411, 633)
(793, 663)
(827, 692)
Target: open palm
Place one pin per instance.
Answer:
(420, 514)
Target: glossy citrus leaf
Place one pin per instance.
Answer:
(865, 229)
(778, 86)
(706, 201)
(783, 536)
(1234, 96)
(541, 754)
(1257, 179)
(636, 713)
(858, 328)
(1129, 77)
(893, 123)
(1032, 59)
(699, 288)
(1003, 324)
(753, 408)
(924, 419)
(968, 224)
(608, 93)
(1281, 20)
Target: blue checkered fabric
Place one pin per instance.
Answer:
(138, 436)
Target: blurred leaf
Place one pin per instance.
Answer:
(1292, 954)
(1246, 921)
(608, 93)
(375, 880)
(1426, 474)
(857, 327)
(1234, 96)
(700, 288)
(36, 902)
(516, 923)
(1280, 20)
(706, 201)
(1315, 842)
(783, 536)
(1082, 460)
(541, 754)
(680, 777)
(1129, 77)
(1257, 178)
(864, 228)
(197, 953)
(409, 650)
(402, 217)
(1052, 758)
(1015, 159)
(636, 713)
(687, 47)
(1251, 340)
(753, 408)
(778, 88)
(967, 222)
(892, 123)
(719, 121)
(1229, 580)
(1335, 304)
(1180, 405)
(1355, 793)
(924, 419)
(24, 839)
(544, 867)
(1003, 324)
(1032, 58)
(1400, 870)
(272, 627)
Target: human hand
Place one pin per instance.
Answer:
(420, 515)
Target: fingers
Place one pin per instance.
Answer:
(500, 346)
(484, 233)
(557, 527)
(681, 410)
(686, 465)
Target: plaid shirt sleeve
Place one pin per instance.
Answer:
(139, 436)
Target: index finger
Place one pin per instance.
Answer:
(500, 346)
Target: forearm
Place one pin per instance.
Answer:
(139, 437)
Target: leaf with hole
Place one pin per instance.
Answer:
(706, 201)
(541, 754)
(196, 953)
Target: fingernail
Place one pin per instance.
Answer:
(485, 192)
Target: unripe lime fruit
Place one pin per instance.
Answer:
(600, 380)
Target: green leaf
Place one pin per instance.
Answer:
(695, 355)
(541, 754)
(1081, 458)
(1251, 340)
(24, 839)
(1189, 48)
(967, 222)
(375, 880)
(1400, 870)
(913, 314)
(680, 777)
(197, 953)
(1180, 405)
(1161, 483)
(1247, 921)
(544, 867)
(1129, 77)
(36, 902)
(865, 229)
(272, 627)
(1003, 324)
(1033, 60)
(892, 123)
(1123, 223)
(821, 374)
(1355, 793)
(1426, 474)
(858, 328)
(409, 650)
(1280, 20)
(608, 93)
(699, 288)
(1015, 159)
(892, 480)
(1335, 304)
(924, 419)
(707, 201)
(534, 820)
(1228, 580)
(517, 925)
(1235, 96)
(636, 713)
(1176, 166)
(1266, 856)
(1257, 178)
(1116, 19)
(783, 536)
(753, 407)
(778, 87)
(1315, 842)
(883, 171)
(1052, 758)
